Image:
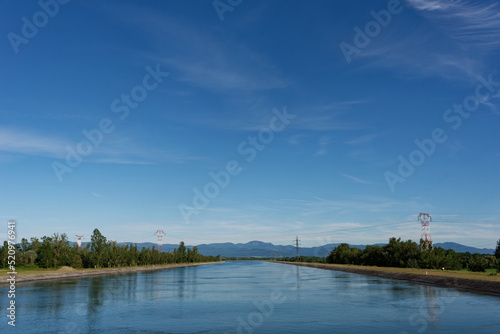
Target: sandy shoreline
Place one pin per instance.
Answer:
(20, 278)
(483, 286)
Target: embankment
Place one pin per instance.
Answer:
(23, 278)
(478, 285)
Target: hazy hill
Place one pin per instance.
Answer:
(265, 249)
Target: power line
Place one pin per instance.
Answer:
(364, 228)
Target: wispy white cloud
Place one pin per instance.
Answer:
(452, 42)
(355, 179)
(341, 105)
(422, 52)
(95, 194)
(324, 142)
(454, 147)
(367, 204)
(220, 73)
(492, 103)
(429, 4)
(472, 23)
(256, 116)
(200, 57)
(360, 148)
(30, 143)
(327, 117)
(124, 150)
(121, 151)
(324, 122)
(363, 139)
(294, 140)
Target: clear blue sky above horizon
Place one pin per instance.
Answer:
(356, 104)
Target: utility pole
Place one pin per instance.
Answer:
(297, 251)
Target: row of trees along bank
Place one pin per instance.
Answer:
(408, 254)
(55, 251)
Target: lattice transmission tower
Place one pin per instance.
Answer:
(79, 242)
(425, 236)
(160, 234)
(297, 249)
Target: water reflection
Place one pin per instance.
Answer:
(212, 298)
(298, 277)
(95, 299)
(433, 308)
(179, 283)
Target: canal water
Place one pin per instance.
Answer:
(247, 297)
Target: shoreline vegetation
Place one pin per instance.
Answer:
(55, 252)
(477, 282)
(407, 260)
(25, 276)
(53, 258)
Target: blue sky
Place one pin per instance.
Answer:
(311, 110)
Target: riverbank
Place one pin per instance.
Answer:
(481, 283)
(78, 273)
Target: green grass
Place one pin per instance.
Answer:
(29, 271)
(32, 270)
(485, 276)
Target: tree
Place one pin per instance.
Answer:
(497, 251)
(61, 249)
(45, 258)
(31, 256)
(404, 254)
(373, 256)
(195, 255)
(401, 253)
(453, 261)
(477, 263)
(492, 262)
(25, 245)
(97, 247)
(181, 253)
(54, 251)
(4, 254)
(342, 254)
(425, 245)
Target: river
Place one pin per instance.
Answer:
(247, 297)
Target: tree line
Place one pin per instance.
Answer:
(55, 251)
(409, 254)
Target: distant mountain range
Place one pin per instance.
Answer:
(265, 249)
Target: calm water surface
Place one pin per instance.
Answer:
(247, 297)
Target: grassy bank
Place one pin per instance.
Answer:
(38, 274)
(489, 275)
(476, 281)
